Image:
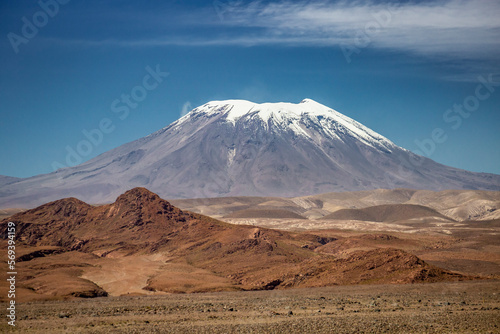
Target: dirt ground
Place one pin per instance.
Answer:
(465, 307)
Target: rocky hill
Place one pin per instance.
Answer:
(143, 244)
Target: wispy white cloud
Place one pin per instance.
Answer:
(457, 29)
(468, 29)
(187, 107)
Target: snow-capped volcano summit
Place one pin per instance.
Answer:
(235, 147)
(299, 118)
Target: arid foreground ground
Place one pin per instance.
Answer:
(463, 307)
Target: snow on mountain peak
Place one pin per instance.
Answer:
(236, 109)
(296, 117)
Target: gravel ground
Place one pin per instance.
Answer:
(465, 307)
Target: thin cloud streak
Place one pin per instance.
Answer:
(454, 29)
(467, 28)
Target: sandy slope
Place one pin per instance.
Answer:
(126, 275)
(458, 205)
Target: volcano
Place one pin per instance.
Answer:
(240, 148)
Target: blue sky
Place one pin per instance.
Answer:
(399, 67)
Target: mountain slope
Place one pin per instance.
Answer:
(4, 180)
(230, 148)
(386, 212)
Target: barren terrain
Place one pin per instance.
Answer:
(465, 307)
(458, 205)
(141, 251)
